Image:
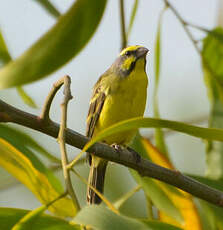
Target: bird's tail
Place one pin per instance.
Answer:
(96, 179)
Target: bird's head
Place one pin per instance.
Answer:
(128, 59)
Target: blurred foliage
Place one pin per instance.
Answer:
(5, 57)
(170, 207)
(54, 49)
(103, 219)
(10, 216)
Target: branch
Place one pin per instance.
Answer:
(185, 25)
(123, 156)
(61, 138)
(46, 108)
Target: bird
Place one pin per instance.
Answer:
(119, 94)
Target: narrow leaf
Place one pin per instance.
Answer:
(23, 141)
(212, 54)
(49, 7)
(25, 97)
(102, 218)
(61, 43)
(159, 136)
(139, 122)
(132, 18)
(156, 225)
(5, 57)
(36, 177)
(10, 216)
(30, 218)
(4, 53)
(158, 196)
(182, 200)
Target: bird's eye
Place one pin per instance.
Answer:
(127, 53)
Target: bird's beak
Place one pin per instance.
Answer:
(141, 52)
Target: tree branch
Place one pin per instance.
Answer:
(46, 108)
(123, 156)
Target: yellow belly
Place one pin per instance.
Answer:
(125, 101)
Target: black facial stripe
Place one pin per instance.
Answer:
(126, 72)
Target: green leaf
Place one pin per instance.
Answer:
(157, 225)
(29, 219)
(4, 53)
(213, 214)
(25, 97)
(22, 141)
(159, 136)
(5, 57)
(132, 18)
(54, 49)
(49, 7)
(102, 218)
(27, 168)
(212, 54)
(158, 196)
(139, 122)
(10, 216)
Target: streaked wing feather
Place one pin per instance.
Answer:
(96, 105)
(95, 109)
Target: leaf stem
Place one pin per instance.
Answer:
(122, 23)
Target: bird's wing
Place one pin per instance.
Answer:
(96, 105)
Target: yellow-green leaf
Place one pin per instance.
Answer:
(25, 170)
(10, 216)
(26, 98)
(158, 196)
(140, 122)
(4, 53)
(212, 53)
(62, 42)
(5, 57)
(132, 18)
(49, 7)
(101, 218)
(159, 136)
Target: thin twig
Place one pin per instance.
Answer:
(197, 27)
(47, 105)
(146, 168)
(61, 140)
(126, 196)
(122, 23)
(184, 24)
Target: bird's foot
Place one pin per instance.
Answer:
(116, 147)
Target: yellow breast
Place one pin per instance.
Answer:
(126, 98)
